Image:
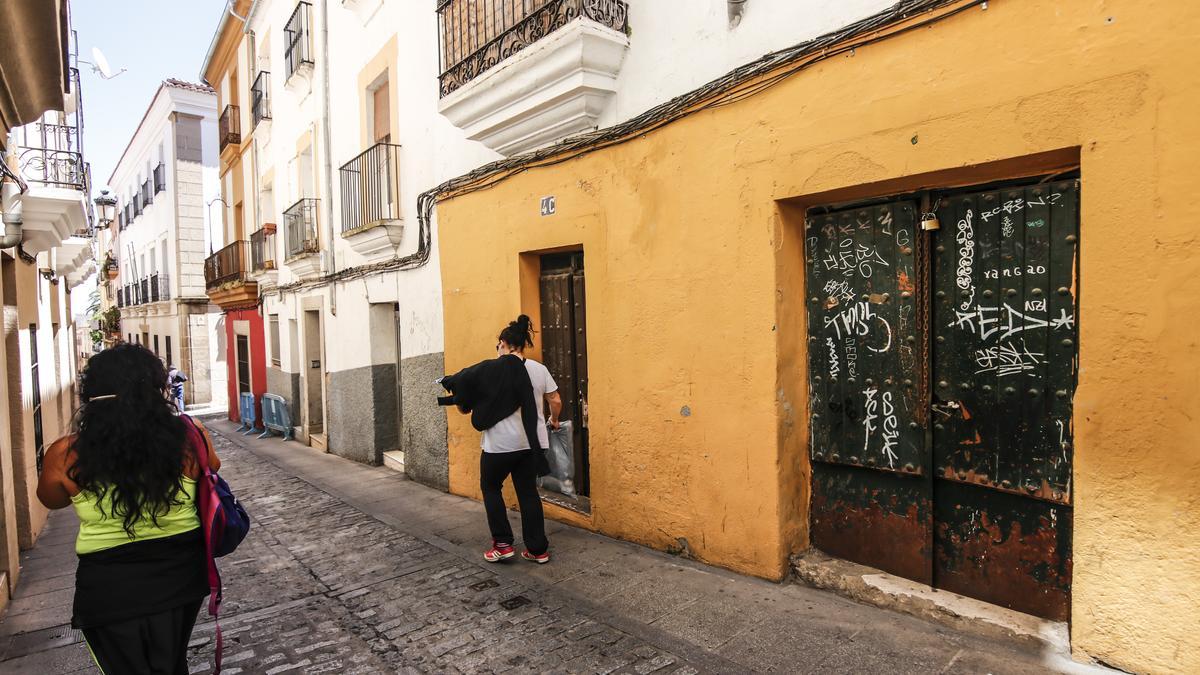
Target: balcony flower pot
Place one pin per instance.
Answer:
(112, 273)
(268, 228)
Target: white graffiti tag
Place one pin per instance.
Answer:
(869, 416)
(988, 321)
(890, 429)
(857, 320)
(834, 366)
(840, 290)
(849, 259)
(1007, 359)
(965, 237)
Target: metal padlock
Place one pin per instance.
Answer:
(929, 221)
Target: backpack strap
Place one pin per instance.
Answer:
(207, 503)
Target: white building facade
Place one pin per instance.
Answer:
(357, 107)
(163, 182)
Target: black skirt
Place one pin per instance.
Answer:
(139, 579)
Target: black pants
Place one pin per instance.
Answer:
(154, 644)
(522, 465)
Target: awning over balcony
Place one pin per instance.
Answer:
(33, 62)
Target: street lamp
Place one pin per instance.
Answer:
(107, 207)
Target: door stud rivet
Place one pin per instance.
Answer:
(1037, 292)
(943, 384)
(1067, 342)
(1063, 290)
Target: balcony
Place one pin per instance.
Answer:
(225, 277)
(137, 204)
(154, 288)
(160, 178)
(148, 191)
(300, 220)
(49, 160)
(260, 99)
(371, 215)
(297, 47)
(160, 287)
(262, 251)
(229, 127)
(520, 74)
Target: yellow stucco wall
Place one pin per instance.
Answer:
(692, 264)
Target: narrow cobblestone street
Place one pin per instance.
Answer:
(354, 569)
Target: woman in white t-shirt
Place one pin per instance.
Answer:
(506, 452)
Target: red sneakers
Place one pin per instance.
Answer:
(539, 559)
(498, 552)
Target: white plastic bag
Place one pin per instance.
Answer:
(562, 461)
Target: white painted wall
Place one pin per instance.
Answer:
(675, 46)
(150, 244)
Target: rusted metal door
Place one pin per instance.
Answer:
(941, 388)
(1004, 371)
(564, 348)
(870, 497)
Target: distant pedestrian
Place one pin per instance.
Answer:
(176, 378)
(515, 391)
(130, 472)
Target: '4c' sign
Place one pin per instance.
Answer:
(548, 205)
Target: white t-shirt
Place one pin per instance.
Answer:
(509, 433)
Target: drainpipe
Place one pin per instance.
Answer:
(736, 8)
(331, 259)
(12, 206)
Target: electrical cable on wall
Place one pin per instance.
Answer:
(739, 84)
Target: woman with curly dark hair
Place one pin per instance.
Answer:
(130, 472)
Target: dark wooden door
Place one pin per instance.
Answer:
(942, 369)
(564, 348)
(243, 364)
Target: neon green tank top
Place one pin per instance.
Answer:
(98, 532)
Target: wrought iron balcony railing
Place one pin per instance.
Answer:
(49, 155)
(371, 187)
(137, 204)
(475, 35)
(230, 264)
(300, 219)
(160, 177)
(297, 48)
(160, 287)
(230, 126)
(148, 191)
(260, 98)
(262, 251)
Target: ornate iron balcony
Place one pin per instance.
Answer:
(230, 126)
(297, 49)
(476, 35)
(371, 187)
(227, 265)
(262, 251)
(260, 98)
(160, 177)
(49, 154)
(300, 219)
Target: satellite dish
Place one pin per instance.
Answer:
(100, 65)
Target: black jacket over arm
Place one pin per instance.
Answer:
(492, 390)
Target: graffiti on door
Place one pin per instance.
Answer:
(942, 370)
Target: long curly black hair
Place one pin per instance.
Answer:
(129, 443)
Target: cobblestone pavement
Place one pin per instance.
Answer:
(323, 587)
(352, 569)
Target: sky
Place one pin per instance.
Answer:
(153, 40)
